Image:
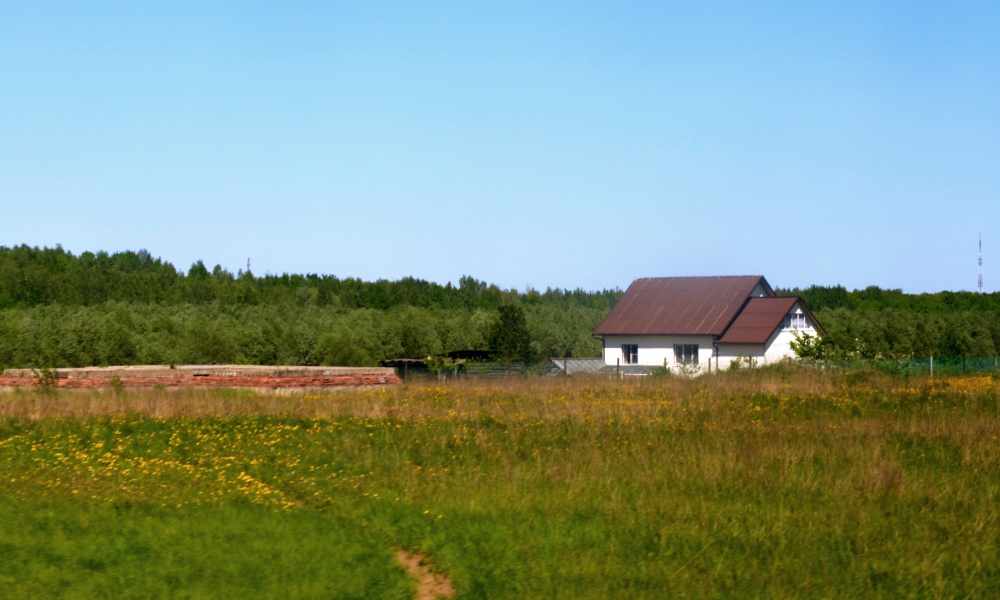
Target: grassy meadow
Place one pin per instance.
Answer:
(770, 483)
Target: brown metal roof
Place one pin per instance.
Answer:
(680, 305)
(758, 320)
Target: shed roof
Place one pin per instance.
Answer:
(680, 305)
(573, 365)
(761, 318)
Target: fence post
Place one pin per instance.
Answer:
(618, 366)
(565, 369)
(932, 365)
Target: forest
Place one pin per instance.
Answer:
(61, 309)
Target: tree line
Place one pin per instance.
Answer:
(875, 299)
(31, 276)
(58, 309)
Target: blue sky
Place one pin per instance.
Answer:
(557, 144)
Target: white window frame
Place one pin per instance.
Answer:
(796, 321)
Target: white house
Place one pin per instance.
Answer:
(702, 323)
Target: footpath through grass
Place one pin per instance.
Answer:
(775, 483)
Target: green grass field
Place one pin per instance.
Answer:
(774, 483)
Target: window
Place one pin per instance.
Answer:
(686, 354)
(796, 321)
(630, 354)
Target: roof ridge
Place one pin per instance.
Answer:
(699, 276)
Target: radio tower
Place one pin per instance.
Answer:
(980, 263)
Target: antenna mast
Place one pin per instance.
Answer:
(980, 263)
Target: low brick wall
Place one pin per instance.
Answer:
(195, 376)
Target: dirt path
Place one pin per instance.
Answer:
(430, 585)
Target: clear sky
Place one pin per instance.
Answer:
(548, 144)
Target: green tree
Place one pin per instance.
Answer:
(206, 342)
(509, 337)
(340, 349)
(804, 346)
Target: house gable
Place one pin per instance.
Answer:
(762, 317)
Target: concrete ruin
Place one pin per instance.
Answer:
(287, 378)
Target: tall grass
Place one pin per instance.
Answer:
(777, 483)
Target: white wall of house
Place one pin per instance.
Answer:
(654, 349)
(730, 352)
